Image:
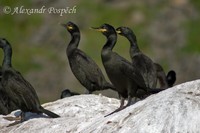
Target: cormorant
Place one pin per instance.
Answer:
(149, 70)
(171, 78)
(17, 88)
(68, 93)
(144, 63)
(126, 78)
(83, 67)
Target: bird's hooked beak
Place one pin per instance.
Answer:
(67, 26)
(98, 29)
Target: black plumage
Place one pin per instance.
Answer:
(6, 105)
(17, 88)
(149, 70)
(68, 93)
(171, 78)
(121, 73)
(144, 63)
(83, 67)
(3, 99)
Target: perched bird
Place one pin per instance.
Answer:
(83, 67)
(126, 78)
(171, 78)
(67, 93)
(17, 88)
(144, 63)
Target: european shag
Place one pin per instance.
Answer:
(83, 67)
(67, 93)
(17, 88)
(171, 78)
(140, 60)
(126, 78)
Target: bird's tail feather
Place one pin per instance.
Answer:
(49, 113)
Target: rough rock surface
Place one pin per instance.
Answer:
(174, 110)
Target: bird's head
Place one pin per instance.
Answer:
(71, 27)
(126, 32)
(106, 29)
(3, 42)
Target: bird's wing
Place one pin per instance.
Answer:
(132, 72)
(21, 88)
(89, 67)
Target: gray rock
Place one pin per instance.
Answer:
(174, 110)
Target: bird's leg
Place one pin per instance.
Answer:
(129, 101)
(120, 108)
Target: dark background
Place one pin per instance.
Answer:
(167, 31)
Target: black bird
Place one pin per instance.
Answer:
(17, 88)
(140, 60)
(171, 78)
(67, 93)
(126, 78)
(83, 67)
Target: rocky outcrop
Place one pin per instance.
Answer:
(174, 110)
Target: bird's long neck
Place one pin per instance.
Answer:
(73, 44)
(7, 56)
(107, 48)
(134, 49)
(110, 43)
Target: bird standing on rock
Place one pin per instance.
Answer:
(140, 60)
(83, 67)
(126, 78)
(17, 88)
(149, 70)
